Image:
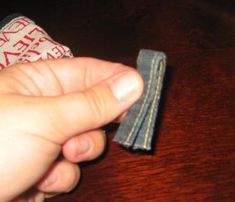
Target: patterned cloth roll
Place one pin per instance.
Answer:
(21, 41)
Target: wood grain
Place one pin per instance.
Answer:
(194, 155)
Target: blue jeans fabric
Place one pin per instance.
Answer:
(136, 131)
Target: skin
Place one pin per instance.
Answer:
(56, 108)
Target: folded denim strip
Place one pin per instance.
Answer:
(137, 129)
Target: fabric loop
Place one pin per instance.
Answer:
(136, 131)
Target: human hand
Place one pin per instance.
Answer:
(53, 107)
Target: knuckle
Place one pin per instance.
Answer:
(97, 105)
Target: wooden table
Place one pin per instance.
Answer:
(194, 147)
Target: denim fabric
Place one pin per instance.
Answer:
(136, 131)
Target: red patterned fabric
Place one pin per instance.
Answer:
(21, 41)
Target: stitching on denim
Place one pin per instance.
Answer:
(153, 109)
(145, 99)
(143, 104)
(122, 137)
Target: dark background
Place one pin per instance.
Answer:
(194, 148)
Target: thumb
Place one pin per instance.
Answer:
(96, 106)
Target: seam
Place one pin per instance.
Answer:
(144, 102)
(153, 109)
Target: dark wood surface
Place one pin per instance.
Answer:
(194, 147)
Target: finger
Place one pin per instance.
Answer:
(62, 177)
(121, 117)
(56, 77)
(84, 147)
(77, 74)
(62, 117)
(96, 106)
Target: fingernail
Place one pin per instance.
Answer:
(126, 86)
(82, 146)
(50, 180)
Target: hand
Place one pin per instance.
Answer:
(53, 107)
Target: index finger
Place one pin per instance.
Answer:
(77, 74)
